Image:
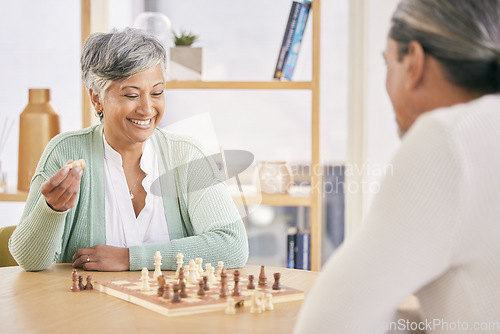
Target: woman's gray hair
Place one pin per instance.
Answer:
(118, 55)
(463, 35)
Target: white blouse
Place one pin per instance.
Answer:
(123, 229)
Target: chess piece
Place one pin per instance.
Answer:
(219, 270)
(250, 285)
(211, 275)
(145, 280)
(199, 266)
(157, 265)
(176, 297)
(236, 290)
(166, 291)
(277, 285)
(183, 293)
(269, 302)
(256, 302)
(161, 285)
(75, 287)
(180, 262)
(181, 276)
(262, 278)
(89, 285)
(206, 287)
(201, 291)
(192, 272)
(223, 285)
(230, 308)
(80, 283)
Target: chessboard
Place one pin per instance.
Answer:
(130, 290)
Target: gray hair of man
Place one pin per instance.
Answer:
(463, 35)
(119, 55)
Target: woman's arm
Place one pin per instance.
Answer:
(35, 243)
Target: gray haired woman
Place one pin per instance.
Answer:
(142, 190)
(433, 228)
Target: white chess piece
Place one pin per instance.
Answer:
(211, 274)
(219, 270)
(192, 277)
(145, 280)
(230, 308)
(256, 302)
(199, 265)
(269, 302)
(180, 262)
(157, 265)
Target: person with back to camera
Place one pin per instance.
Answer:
(142, 190)
(434, 227)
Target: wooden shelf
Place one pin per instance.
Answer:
(13, 195)
(275, 200)
(238, 85)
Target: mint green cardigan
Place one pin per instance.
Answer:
(201, 216)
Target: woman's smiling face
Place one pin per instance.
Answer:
(132, 108)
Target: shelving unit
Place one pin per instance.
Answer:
(315, 199)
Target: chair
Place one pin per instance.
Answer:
(6, 259)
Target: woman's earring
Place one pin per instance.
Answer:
(98, 113)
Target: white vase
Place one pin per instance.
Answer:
(185, 63)
(275, 177)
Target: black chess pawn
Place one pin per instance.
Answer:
(80, 283)
(166, 291)
(89, 285)
(277, 285)
(176, 297)
(201, 291)
(183, 293)
(250, 285)
(161, 285)
(206, 287)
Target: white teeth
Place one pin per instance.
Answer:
(141, 122)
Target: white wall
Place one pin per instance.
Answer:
(382, 135)
(40, 48)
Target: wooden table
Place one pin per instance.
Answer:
(41, 302)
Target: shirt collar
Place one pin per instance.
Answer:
(147, 158)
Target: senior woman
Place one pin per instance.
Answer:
(434, 227)
(143, 190)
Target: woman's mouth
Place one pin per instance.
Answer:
(141, 122)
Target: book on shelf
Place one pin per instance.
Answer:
(291, 247)
(302, 241)
(287, 39)
(293, 52)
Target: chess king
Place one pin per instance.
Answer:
(107, 216)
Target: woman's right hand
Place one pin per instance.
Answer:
(61, 190)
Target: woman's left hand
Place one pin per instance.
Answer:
(102, 258)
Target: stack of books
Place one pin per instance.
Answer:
(292, 40)
(298, 247)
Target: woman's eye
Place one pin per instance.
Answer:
(157, 93)
(130, 96)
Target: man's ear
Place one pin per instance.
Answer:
(95, 99)
(415, 59)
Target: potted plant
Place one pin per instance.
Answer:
(185, 60)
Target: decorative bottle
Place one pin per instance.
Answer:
(38, 124)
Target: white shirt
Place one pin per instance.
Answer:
(123, 229)
(433, 229)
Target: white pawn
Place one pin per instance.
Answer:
(192, 277)
(199, 266)
(157, 265)
(145, 280)
(269, 302)
(180, 262)
(211, 274)
(219, 270)
(256, 302)
(230, 308)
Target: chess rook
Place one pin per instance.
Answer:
(277, 285)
